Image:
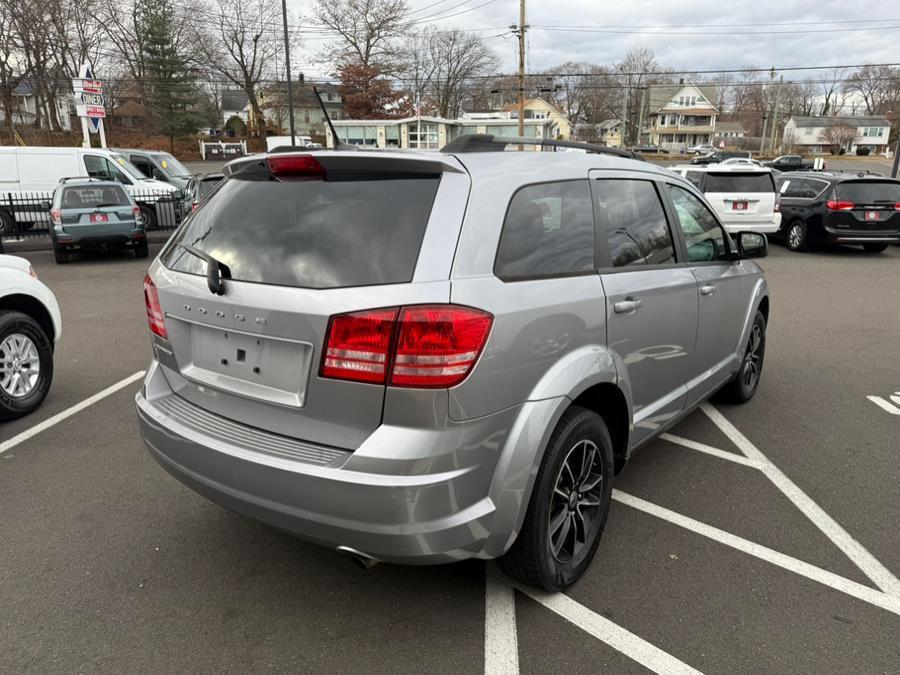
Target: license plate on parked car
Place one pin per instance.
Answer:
(873, 215)
(738, 206)
(99, 218)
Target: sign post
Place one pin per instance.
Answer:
(89, 104)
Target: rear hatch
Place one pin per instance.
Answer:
(96, 211)
(370, 232)
(867, 205)
(741, 197)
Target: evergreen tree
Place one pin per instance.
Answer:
(171, 82)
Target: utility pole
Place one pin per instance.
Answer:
(521, 33)
(640, 126)
(287, 70)
(775, 116)
(762, 140)
(625, 115)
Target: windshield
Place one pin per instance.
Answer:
(171, 165)
(311, 234)
(128, 167)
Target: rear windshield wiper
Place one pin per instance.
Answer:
(215, 270)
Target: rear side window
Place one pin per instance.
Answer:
(631, 217)
(311, 234)
(868, 192)
(548, 232)
(93, 197)
(694, 176)
(739, 182)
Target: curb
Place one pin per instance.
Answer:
(43, 242)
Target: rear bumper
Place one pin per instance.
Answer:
(418, 496)
(768, 226)
(836, 235)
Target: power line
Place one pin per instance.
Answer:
(733, 34)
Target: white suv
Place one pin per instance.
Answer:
(744, 197)
(30, 325)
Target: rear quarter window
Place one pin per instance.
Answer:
(739, 182)
(311, 234)
(548, 231)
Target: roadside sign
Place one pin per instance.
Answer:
(91, 99)
(89, 103)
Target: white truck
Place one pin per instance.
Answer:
(29, 175)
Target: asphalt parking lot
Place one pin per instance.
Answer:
(760, 538)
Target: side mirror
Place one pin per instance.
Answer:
(752, 245)
(45, 206)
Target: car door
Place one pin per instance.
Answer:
(723, 288)
(651, 297)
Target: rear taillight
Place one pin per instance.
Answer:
(897, 206)
(154, 310)
(423, 346)
(358, 345)
(136, 212)
(56, 217)
(777, 203)
(839, 205)
(296, 167)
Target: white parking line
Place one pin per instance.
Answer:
(835, 581)
(885, 405)
(501, 646)
(68, 412)
(624, 641)
(709, 450)
(870, 566)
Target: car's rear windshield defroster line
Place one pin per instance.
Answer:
(311, 234)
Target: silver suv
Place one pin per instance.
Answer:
(421, 358)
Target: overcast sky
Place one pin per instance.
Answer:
(710, 39)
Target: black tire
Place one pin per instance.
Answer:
(875, 248)
(141, 249)
(16, 323)
(7, 223)
(61, 255)
(148, 214)
(796, 236)
(745, 382)
(531, 559)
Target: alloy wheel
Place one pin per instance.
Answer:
(575, 502)
(795, 236)
(752, 365)
(20, 365)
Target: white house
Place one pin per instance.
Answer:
(808, 134)
(681, 115)
(235, 104)
(26, 107)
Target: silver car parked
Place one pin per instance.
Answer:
(426, 357)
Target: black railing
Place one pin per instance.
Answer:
(27, 214)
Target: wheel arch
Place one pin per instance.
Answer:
(32, 307)
(608, 400)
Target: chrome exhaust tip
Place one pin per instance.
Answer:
(362, 560)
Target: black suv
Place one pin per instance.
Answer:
(718, 156)
(827, 208)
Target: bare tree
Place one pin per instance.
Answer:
(838, 136)
(420, 69)
(874, 84)
(13, 68)
(638, 69)
(582, 91)
(831, 85)
(244, 40)
(457, 57)
(368, 32)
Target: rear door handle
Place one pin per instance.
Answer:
(708, 289)
(627, 305)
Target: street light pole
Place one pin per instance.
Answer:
(287, 62)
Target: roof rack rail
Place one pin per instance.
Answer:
(491, 143)
(84, 178)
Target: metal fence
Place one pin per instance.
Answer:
(27, 214)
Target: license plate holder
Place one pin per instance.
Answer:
(739, 205)
(99, 218)
(873, 215)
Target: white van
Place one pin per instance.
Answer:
(743, 196)
(37, 172)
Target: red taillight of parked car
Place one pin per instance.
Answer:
(136, 212)
(422, 346)
(56, 217)
(154, 310)
(296, 167)
(358, 345)
(839, 205)
(897, 206)
(777, 204)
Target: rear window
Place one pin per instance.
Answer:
(868, 192)
(93, 197)
(311, 234)
(740, 182)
